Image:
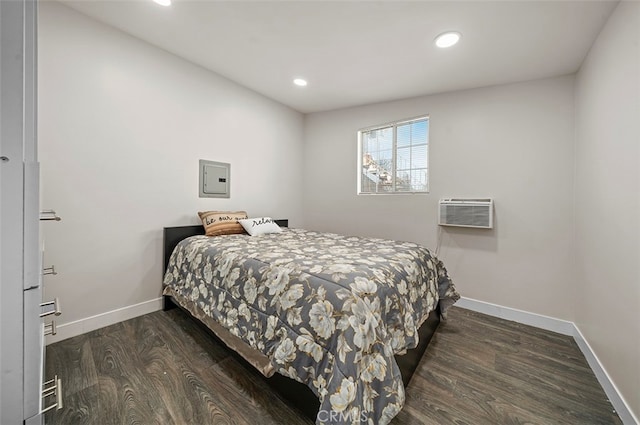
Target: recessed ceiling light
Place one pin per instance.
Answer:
(300, 82)
(447, 39)
(163, 2)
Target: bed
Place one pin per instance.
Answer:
(348, 318)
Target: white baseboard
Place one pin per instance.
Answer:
(79, 327)
(618, 402)
(563, 327)
(526, 318)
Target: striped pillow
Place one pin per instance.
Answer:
(222, 222)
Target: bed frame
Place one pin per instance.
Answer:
(296, 393)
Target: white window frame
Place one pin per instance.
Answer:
(394, 125)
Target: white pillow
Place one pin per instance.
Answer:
(260, 226)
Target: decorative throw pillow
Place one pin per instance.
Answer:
(260, 226)
(222, 222)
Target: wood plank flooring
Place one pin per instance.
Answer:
(163, 368)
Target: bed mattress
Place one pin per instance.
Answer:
(328, 310)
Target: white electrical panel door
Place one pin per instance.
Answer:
(215, 179)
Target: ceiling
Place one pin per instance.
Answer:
(357, 52)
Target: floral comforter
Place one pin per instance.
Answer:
(328, 310)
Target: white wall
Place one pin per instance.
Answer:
(608, 200)
(122, 126)
(513, 143)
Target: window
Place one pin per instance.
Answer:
(393, 158)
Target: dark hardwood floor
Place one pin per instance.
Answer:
(163, 368)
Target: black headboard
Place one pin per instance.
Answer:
(173, 235)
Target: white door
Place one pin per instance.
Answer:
(21, 343)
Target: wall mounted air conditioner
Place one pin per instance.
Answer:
(466, 212)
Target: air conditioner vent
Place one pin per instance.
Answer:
(466, 212)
